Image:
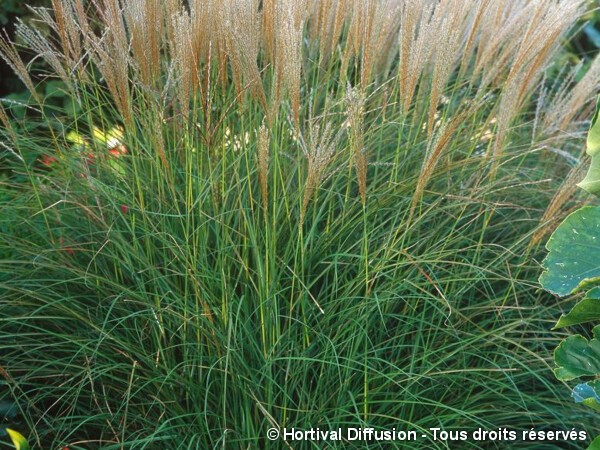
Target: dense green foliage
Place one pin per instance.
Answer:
(326, 233)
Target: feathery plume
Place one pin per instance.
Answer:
(378, 36)
(6, 124)
(11, 56)
(319, 152)
(290, 20)
(452, 15)
(241, 31)
(36, 41)
(480, 8)
(204, 28)
(436, 150)
(416, 29)
(355, 102)
(144, 19)
(327, 19)
(183, 60)
(569, 102)
(537, 44)
(263, 162)
(110, 52)
(4, 118)
(269, 36)
(65, 25)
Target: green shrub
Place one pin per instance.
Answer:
(287, 214)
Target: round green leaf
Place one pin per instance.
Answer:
(588, 394)
(595, 445)
(573, 261)
(576, 357)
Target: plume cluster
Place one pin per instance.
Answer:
(170, 55)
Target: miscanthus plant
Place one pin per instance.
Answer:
(286, 214)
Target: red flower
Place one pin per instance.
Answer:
(124, 209)
(118, 151)
(68, 250)
(47, 160)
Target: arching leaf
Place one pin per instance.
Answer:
(587, 310)
(18, 439)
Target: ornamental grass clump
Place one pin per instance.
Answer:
(291, 214)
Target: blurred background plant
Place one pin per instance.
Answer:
(225, 216)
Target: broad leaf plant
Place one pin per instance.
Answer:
(572, 266)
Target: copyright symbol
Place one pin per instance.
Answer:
(273, 434)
